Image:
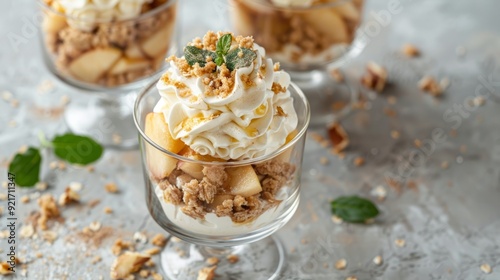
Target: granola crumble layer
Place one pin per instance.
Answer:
(111, 51)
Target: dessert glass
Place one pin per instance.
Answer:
(108, 56)
(309, 41)
(244, 230)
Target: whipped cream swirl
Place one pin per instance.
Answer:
(249, 122)
(85, 13)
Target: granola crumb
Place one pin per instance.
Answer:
(68, 196)
(378, 260)
(359, 161)
(49, 236)
(341, 264)
(48, 210)
(375, 78)
(111, 187)
(233, 258)
(338, 136)
(108, 210)
(140, 237)
(27, 231)
(76, 186)
(400, 242)
(25, 199)
(207, 273)
(95, 226)
(152, 251)
(156, 276)
(128, 263)
(144, 273)
(428, 84)
(121, 245)
(486, 268)
(337, 220)
(159, 240)
(379, 192)
(96, 259)
(212, 261)
(410, 50)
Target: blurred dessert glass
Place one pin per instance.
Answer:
(110, 48)
(309, 38)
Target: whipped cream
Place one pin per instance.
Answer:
(292, 3)
(220, 226)
(244, 124)
(85, 13)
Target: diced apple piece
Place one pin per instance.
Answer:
(219, 199)
(328, 23)
(285, 156)
(243, 181)
(192, 169)
(127, 64)
(157, 43)
(93, 64)
(160, 164)
(134, 51)
(53, 23)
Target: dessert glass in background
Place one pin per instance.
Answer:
(110, 49)
(222, 173)
(310, 38)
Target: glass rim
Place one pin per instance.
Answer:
(147, 14)
(236, 163)
(297, 8)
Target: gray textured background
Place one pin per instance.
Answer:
(450, 220)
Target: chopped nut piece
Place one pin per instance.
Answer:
(48, 210)
(76, 186)
(233, 258)
(144, 273)
(375, 78)
(410, 50)
(128, 263)
(337, 220)
(400, 242)
(380, 192)
(378, 260)
(417, 143)
(156, 276)
(108, 210)
(159, 240)
(486, 268)
(341, 264)
(68, 197)
(90, 168)
(212, 261)
(41, 186)
(120, 245)
(95, 226)
(358, 161)
(4, 268)
(25, 199)
(207, 273)
(96, 259)
(49, 236)
(337, 75)
(152, 251)
(338, 136)
(27, 231)
(429, 84)
(111, 188)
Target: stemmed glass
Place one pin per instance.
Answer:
(311, 42)
(240, 229)
(107, 53)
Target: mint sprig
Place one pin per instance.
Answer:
(70, 147)
(354, 209)
(234, 59)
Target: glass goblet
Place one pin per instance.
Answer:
(310, 42)
(247, 208)
(108, 54)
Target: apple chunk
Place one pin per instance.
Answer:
(53, 23)
(127, 64)
(157, 43)
(159, 163)
(93, 64)
(219, 199)
(243, 181)
(328, 23)
(134, 51)
(195, 170)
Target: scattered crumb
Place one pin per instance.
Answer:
(116, 138)
(486, 268)
(53, 165)
(359, 161)
(96, 259)
(120, 245)
(68, 196)
(64, 100)
(351, 278)
(27, 231)
(341, 264)
(128, 263)
(95, 226)
(429, 85)
(400, 242)
(417, 143)
(337, 220)
(41, 186)
(207, 273)
(392, 100)
(478, 101)
(444, 83)
(375, 77)
(323, 160)
(4, 268)
(25, 199)
(140, 237)
(175, 239)
(395, 134)
(337, 75)
(391, 113)
(49, 236)
(144, 273)
(212, 261)
(111, 187)
(338, 136)
(379, 192)
(156, 276)
(159, 240)
(378, 260)
(410, 50)
(76, 186)
(61, 165)
(90, 168)
(152, 251)
(233, 258)
(445, 165)
(108, 210)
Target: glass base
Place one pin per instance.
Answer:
(263, 259)
(108, 121)
(329, 100)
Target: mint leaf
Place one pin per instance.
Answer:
(224, 44)
(354, 209)
(195, 55)
(76, 149)
(26, 167)
(239, 57)
(219, 60)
